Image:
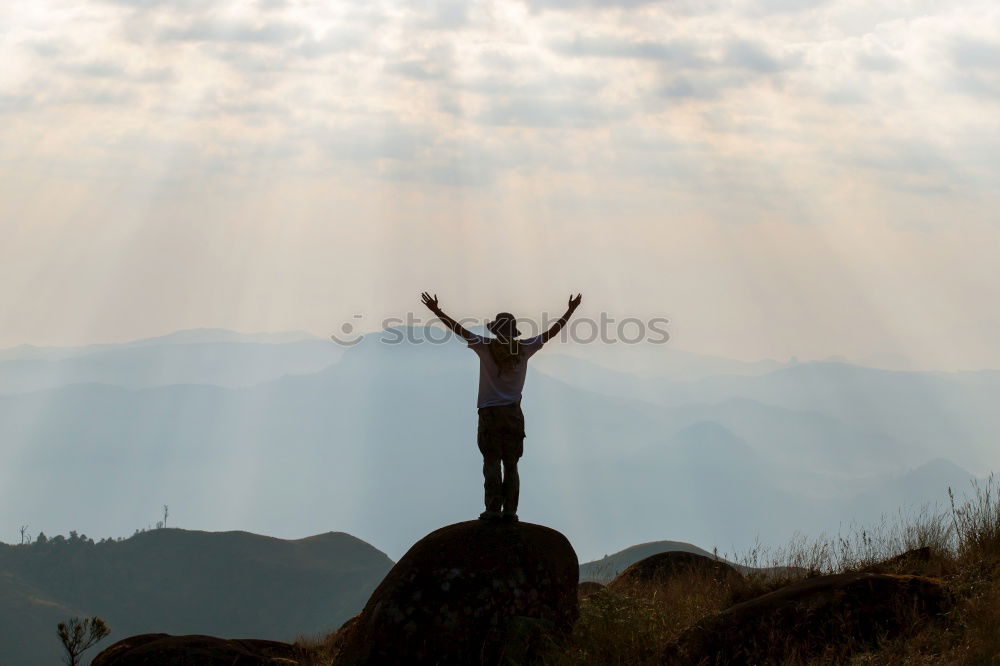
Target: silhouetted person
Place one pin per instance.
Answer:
(503, 366)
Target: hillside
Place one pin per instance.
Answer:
(180, 581)
(608, 567)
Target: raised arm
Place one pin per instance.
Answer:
(574, 303)
(432, 305)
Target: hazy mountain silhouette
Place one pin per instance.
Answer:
(398, 421)
(910, 489)
(218, 358)
(177, 581)
(920, 414)
(184, 336)
(649, 361)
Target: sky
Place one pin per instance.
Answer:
(776, 178)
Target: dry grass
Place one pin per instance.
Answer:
(631, 625)
(318, 650)
(964, 544)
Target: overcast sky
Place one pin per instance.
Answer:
(777, 177)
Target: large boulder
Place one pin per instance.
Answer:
(924, 561)
(687, 568)
(470, 593)
(833, 615)
(167, 650)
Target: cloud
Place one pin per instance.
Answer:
(450, 171)
(767, 7)
(102, 69)
(502, 74)
(537, 112)
(335, 40)
(738, 53)
(205, 5)
(49, 48)
(443, 14)
(976, 64)
(419, 69)
(141, 3)
(680, 51)
(151, 6)
(98, 96)
(877, 62)
(434, 65)
(253, 109)
(247, 32)
(15, 102)
(976, 53)
(754, 56)
(538, 5)
(485, 67)
(109, 69)
(698, 88)
(365, 141)
(689, 69)
(916, 166)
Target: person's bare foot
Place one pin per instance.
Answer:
(489, 515)
(509, 517)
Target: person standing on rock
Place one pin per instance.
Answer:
(503, 366)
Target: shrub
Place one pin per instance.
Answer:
(78, 635)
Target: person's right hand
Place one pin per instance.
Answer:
(431, 303)
(574, 302)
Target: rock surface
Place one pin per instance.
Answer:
(587, 588)
(839, 613)
(167, 650)
(922, 561)
(470, 593)
(662, 568)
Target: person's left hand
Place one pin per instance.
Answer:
(575, 302)
(431, 303)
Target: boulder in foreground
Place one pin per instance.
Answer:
(167, 650)
(840, 613)
(470, 593)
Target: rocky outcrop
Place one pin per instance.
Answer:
(833, 615)
(922, 561)
(167, 650)
(663, 568)
(471, 593)
(587, 588)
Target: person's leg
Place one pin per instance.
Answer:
(492, 484)
(492, 479)
(511, 486)
(511, 450)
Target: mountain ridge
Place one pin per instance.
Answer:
(182, 581)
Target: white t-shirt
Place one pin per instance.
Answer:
(504, 388)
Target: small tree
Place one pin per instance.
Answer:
(78, 635)
(25, 537)
(166, 513)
